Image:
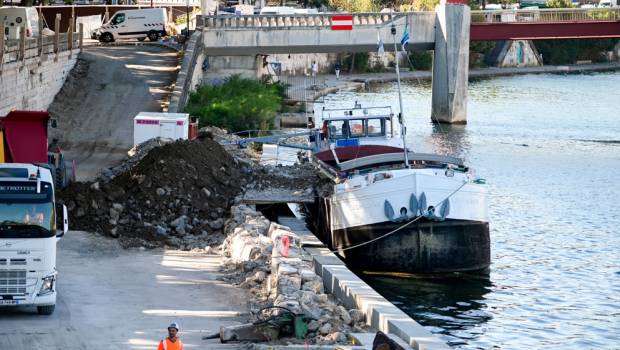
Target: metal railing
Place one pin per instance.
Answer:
(545, 15)
(375, 19)
(301, 20)
(26, 48)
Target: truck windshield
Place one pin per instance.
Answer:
(26, 213)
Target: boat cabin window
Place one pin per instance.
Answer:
(356, 128)
(375, 127)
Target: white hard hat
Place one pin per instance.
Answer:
(174, 325)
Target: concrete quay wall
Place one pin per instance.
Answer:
(33, 83)
(380, 313)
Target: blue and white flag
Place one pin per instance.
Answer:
(380, 49)
(405, 39)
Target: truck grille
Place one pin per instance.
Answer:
(12, 281)
(18, 261)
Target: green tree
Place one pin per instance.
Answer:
(355, 5)
(237, 104)
(559, 3)
(425, 5)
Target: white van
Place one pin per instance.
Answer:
(15, 17)
(149, 23)
(277, 10)
(608, 3)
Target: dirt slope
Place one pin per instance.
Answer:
(96, 106)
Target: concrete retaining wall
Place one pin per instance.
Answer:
(33, 83)
(191, 74)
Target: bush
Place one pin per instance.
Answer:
(237, 104)
(421, 60)
(568, 51)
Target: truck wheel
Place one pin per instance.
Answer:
(153, 35)
(106, 38)
(46, 310)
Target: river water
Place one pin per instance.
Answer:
(549, 148)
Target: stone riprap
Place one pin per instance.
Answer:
(258, 257)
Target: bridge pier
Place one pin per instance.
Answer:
(451, 64)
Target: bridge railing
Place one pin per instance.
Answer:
(545, 15)
(302, 20)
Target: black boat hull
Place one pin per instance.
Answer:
(422, 247)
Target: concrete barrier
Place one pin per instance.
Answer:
(380, 313)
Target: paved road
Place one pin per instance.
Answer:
(96, 106)
(110, 298)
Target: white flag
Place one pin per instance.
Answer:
(380, 50)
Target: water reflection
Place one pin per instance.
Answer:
(450, 140)
(452, 306)
(549, 152)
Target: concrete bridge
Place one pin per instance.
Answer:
(446, 31)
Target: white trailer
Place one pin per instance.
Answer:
(150, 125)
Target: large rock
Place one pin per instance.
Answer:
(315, 286)
(356, 316)
(288, 285)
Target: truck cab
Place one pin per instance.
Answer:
(28, 236)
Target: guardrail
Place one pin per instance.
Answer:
(545, 15)
(26, 48)
(301, 20)
(374, 19)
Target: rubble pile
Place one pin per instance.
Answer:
(174, 194)
(264, 257)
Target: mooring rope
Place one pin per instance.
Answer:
(340, 249)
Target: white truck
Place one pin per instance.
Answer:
(15, 18)
(140, 24)
(28, 236)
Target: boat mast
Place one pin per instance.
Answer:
(400, 96)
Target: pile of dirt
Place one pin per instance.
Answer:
(177, 194)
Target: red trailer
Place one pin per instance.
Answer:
(23, 139)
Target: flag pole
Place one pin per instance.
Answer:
(403, 129)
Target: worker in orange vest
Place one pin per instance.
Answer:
(172, 342)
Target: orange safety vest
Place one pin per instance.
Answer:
(166, 344)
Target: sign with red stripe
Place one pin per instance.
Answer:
(342, 22)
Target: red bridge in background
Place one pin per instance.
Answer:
(596, 23)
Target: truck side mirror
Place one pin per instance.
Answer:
(65, 221)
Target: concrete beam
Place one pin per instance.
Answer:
(451, 64)
(232, 41)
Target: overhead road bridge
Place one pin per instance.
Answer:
(447, 31)
(544, 24)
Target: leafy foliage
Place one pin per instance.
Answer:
(569, 51)
(421, 60)
(559, 3)
(237, 104)
(355, 5)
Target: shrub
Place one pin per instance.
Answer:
(569, 51)
(237, 104)
(421, 60)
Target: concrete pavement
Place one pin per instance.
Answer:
(108, 88)
(111, 298)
